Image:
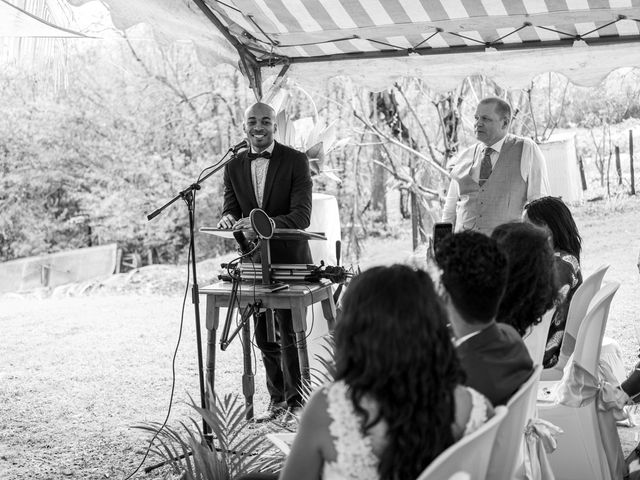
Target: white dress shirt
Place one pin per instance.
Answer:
(259, 168)
(459, 341)
(532, 168)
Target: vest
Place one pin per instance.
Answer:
(503, 196)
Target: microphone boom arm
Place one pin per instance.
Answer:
(194, 186)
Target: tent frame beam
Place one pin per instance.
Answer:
(427, 51)
(249, 64)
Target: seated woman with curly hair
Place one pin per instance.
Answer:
(531, 280)
(396, 402)
(552, 214)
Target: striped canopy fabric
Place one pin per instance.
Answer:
(492, 37)
(316, 30)
(377, 41)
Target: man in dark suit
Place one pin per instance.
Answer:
(277, 179)
(474, 276)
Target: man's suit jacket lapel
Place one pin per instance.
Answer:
(248, 181)
(272, 172)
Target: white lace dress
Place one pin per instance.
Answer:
(355, 458)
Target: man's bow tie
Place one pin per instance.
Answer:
(253, 156)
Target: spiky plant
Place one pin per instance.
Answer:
(234, 449)
(324, 373)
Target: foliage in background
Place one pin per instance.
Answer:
(136, 123)
(83, 166)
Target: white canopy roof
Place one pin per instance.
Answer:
(16, 22)
(377, 41)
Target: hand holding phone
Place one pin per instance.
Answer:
(440, 232)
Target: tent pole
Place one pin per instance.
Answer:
(277, 84)
(248, 62)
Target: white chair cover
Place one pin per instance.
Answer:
(536, 339)
(540, 440)
(611, 364)
(325, 217)
(508, 450)
(579, 389)
(470, 454)
(578, 308)
(460, 476)
(583, 406)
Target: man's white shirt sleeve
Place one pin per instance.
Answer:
(449, 209)
(533, 169)
(453, 194)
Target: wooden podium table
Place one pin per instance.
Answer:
(296, 298)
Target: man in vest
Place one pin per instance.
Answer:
(493, 180)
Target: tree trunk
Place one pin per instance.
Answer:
(448, 108)
(618, 166)
(633, 180)
(608, 173)
(583, 179)
(378, 190)
(415, 215)
(404, 204)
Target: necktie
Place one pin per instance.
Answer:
(485, 166)
(253, 156)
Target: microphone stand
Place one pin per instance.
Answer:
(188, 195)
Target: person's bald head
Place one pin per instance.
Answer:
(260, 125)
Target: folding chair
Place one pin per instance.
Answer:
(536, 339)
(508, 449)
(578, 307)
(581, 452)
(469, 454)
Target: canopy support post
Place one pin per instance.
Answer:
(277, 83)
(249, 64)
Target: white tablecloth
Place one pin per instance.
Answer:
(325, 217)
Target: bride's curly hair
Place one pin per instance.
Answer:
(393, 346)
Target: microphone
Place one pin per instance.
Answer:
(243, 243)
(239, 146)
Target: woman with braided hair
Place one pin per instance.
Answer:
(552, 214)
(396, 402)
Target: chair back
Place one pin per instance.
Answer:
(577, 311)
(536, 339)
(460, 476)
(589, 339)
(469, 454)
(508, 452)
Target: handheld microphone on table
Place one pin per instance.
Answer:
(262, 225)
(243, 243)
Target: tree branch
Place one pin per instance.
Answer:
(390, 139)
(415, 115)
